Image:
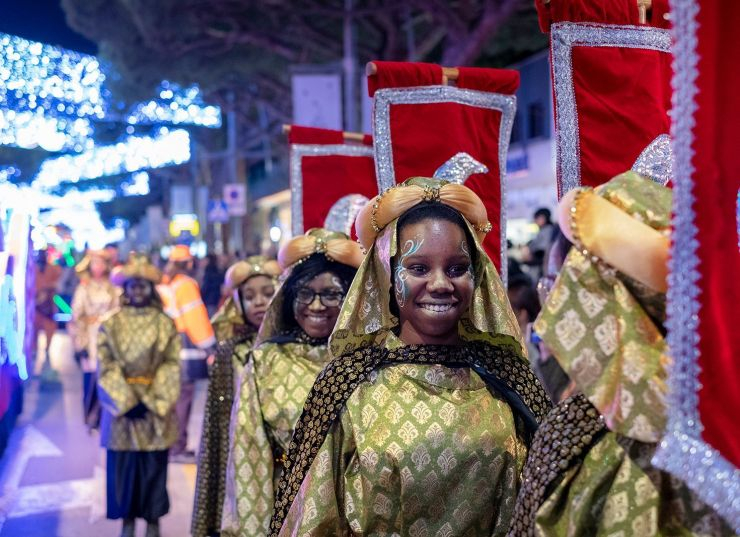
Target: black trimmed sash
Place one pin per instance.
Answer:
(341, 376)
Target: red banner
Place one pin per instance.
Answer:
(611, 85)
(702, 445)
(329, 178)
(420, 124)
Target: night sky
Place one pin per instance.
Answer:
(41, 20)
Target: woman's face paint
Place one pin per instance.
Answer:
(432, 282)
(410, 247)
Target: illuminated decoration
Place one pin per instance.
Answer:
(182, 223)
(168, 148)
(178, 106)
(62, 304)
(137, 185)
(13, 292)
(49, 97)
(8, 172)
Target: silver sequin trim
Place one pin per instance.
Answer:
(459, 168)
(343, 213)
(656, 160)
(682, 450)
(297, 152)
(383, 100)
(565, 36)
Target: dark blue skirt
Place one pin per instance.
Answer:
(137, 484)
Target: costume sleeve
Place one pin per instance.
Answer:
(114, 392)
(621, 240)
(249, 497)
(78, 327)
(165, 388)
(321, 503)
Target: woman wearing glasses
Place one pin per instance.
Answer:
(292, 350)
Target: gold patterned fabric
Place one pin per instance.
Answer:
(210, 482)
(91, 301)
(138, 362)
(227, 320)
(273, 389)
(605, 329)
(582, 479)
(397, 477)
(423, 446)
(589, 472)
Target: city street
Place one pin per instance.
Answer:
(53, 472)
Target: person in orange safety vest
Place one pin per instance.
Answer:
(183, 303)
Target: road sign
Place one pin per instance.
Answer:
(218, 211)
(235, 196)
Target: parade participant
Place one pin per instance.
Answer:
(94, 297)
(589, 471)
(183, 303)
(46, 280)
(251, 284)
(281, 370)
(421, 423)
(138, 385)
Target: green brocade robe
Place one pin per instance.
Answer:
(616, 491)
(419, 450)
(138, 362)
(273, 388)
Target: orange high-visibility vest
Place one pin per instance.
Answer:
(183, 303)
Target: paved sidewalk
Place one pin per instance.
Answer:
(52, 476)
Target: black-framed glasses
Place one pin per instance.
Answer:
(329, 299)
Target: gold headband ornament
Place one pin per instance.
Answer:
(256, 265)
(336, 246)
(394, 202)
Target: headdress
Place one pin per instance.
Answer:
(84, 264)
(256, 265)
(229, 315)
(366, 316)
(137, 266)
(392, 203)
(335, 245)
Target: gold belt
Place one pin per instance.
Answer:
(146, 381)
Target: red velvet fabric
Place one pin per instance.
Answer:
(403, 75)
(492, 80)
(600, 11)
(327, 178)
(623, 96)
(716, 182)
(313, 135)
(425, 136)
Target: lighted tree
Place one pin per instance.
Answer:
(240, 51)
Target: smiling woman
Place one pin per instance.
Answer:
(292, 348)
(421, 423)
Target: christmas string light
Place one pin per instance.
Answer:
(49, 97)
(178, 106)
(136, 153)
